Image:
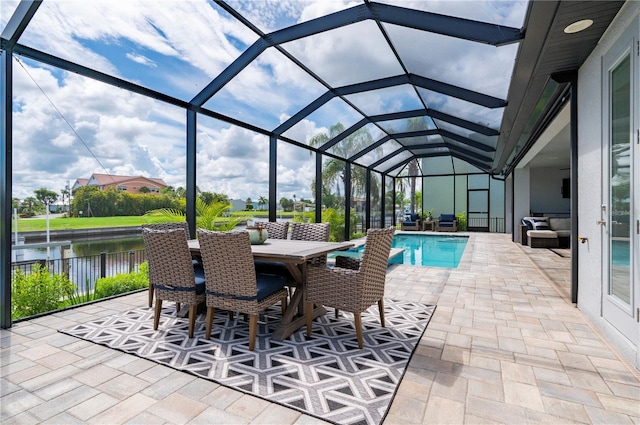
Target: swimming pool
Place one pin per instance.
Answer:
(423, 250)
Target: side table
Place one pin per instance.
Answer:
(428, 225)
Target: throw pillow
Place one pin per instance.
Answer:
(540, 225)
(528, 224)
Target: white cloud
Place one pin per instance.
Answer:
(183, 45)
(142, 60)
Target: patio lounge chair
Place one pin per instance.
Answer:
(411, 222)
(171, 272)
(352, 290)
(447, 223)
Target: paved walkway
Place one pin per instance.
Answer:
(502, 347)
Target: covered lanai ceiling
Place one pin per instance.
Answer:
(389, 81)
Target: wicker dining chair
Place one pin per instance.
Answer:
(352, 290)
(318, 232)
(275, 229)
(310, 231)
(232, 283)
(171, 272)
(164, 226)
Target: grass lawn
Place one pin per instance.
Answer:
(62, 223)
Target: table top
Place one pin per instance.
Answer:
(286, 249)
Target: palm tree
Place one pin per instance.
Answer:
(29, 203)
(66, 193)
(207, 215)
(412, 169)
(262, 201)
(414, 124)
(333, 172)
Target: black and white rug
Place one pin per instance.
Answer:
(326, 375)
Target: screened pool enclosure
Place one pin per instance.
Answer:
(340, 105)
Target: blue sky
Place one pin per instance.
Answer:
(68, 127)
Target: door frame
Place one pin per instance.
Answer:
(624, 317)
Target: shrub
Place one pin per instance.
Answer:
(38, 292)
(462, 221)
(123, 283)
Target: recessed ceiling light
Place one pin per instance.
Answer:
(578, 26)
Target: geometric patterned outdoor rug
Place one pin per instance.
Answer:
(326, 376)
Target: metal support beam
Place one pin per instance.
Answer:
(6, 78)
(273, 176)
(347, 201)
(383, 202)
(18, 22)
(96, 75)
(191, 171)
(571, 77)
(466, 29)
(318, 187)
(367, 205)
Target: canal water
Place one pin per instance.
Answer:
(83, 247)
(78, 248)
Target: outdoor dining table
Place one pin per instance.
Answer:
(295, 255)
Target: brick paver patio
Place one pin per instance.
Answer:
(504, 346)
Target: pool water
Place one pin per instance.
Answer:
(423, 250)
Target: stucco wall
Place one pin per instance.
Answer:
(521, 198)
(590, 180)
(546, 193)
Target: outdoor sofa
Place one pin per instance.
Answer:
(545, 232)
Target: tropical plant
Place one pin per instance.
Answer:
(336, 219)
(38, 292)
(83, 296)
(461, 218)
(207, 215)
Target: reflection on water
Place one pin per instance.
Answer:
(79, 248)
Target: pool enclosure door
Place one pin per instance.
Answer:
(620, 215)
(478, 216)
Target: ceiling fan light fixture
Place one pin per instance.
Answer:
(578, 26)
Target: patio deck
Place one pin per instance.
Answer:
(504, 346)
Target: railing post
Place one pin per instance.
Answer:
(131, 261)
(103, 264)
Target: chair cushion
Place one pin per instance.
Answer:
(269, 284)
(527, 223)
(198, 271)
(445, 223)
(542, 234)
(272, 267)
(560, 223)
(447, 217)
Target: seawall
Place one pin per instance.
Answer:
(73, 234)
